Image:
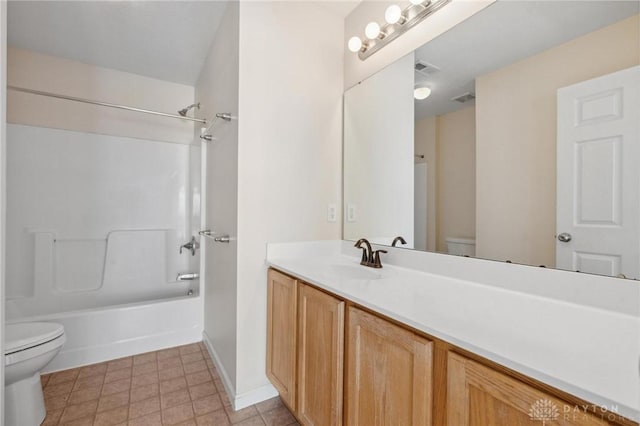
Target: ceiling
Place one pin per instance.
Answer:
(504, 33)
(168, 40)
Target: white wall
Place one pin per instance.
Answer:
(290, 118)
(356, 70)
(53, 74)
(378, 159)
(3, 160)
(217, 91)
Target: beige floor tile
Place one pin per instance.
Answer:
(278, 417)
(92, 370)
(163, 364)
(53, 417)
(149, 367)
(145, 407)
(172, 399)
(73, 412)
(189, 349)
(173, 385)
(88, 382)
(112, 376)
(58, 390)
(202, 390)
(64, 376)
(144, 392)
(251, 421)
(207, 404)
(194, 367)
(44, 379)
(199, 377)
(88, 394)
(215, 418)
(168, 353)
(84, 421)
(144, 358)
(108, 402)
(57, 401)
(120, 363)
(116, 387)
(144, 379)
(112, 417)
(269, 404)
(177, 414)
(192, 357)
(148, 420)
(170, 373)
(245, 413)
(131, 392)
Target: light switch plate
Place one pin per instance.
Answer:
(332, 213)
(351, 212)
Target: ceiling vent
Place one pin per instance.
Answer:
(426, 68)
(465, 97)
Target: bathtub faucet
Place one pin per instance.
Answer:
(191, 245)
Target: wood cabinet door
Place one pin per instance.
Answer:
(320, 357)
(281, 335)
(481, 396)
(389, 372)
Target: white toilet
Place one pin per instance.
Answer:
(29, 347)
(461, 246)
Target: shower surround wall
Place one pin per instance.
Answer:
(99, 201)
(91, 214)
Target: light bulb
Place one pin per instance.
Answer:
(421, 92)
(393, 14)
(372, 30)
(416, 2)
(355, 44)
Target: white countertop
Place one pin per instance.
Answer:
(579, 333)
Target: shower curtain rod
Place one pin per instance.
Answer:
(107, 104)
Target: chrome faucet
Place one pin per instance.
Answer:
(397, 240)
(191, 245)
(370, 257)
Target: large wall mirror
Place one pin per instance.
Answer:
(524, 146)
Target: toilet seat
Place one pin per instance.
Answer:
(26, 340)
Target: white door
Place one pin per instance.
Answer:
(598, 164)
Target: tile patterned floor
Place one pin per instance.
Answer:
(176, 386)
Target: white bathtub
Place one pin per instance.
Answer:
(100, 334)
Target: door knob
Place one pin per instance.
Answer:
(565, 237)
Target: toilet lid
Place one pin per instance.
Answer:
(20, 336)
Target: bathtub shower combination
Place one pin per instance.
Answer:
(94, 229)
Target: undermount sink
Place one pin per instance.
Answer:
(355, 272)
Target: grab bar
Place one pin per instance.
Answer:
(218, 239)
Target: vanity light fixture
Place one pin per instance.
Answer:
(372, 30)
(393, 15)
(421, 92)
(398, 21)
(355, 44)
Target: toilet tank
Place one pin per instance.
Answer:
(461, 246)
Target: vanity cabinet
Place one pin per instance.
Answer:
(282, 319)
(320, 357)
(388, 373)
(305, 349)
(478, 395)
(334, 362)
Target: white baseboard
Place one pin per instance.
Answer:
(242, 400)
